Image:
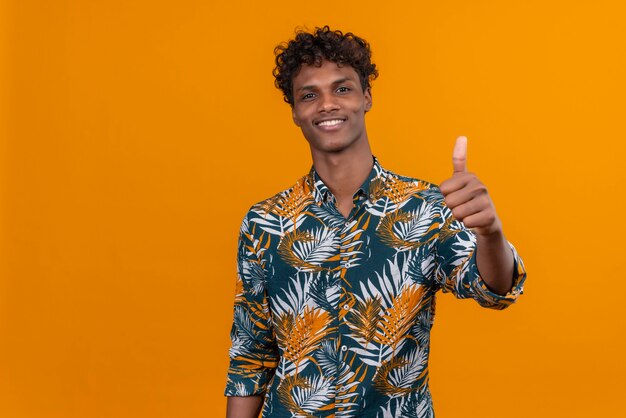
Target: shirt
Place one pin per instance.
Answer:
(332, 315)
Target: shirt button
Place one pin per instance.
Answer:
(346, 307)
(347, 223)
(371, 196)
(342, 389)
(344, 348)
(348, 264)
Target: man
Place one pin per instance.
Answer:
(337, 275)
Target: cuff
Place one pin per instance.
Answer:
(489, 299)
(243, 382)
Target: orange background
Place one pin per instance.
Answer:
(136, 134)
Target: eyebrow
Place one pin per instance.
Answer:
(338, 81)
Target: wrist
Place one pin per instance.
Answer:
(492, 233)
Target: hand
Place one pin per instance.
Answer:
(467, 196)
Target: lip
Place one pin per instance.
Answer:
(330, 127)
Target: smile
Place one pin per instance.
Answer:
(330, 122)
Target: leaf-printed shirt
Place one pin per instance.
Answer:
(332, 315)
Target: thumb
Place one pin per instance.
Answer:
(459, 155)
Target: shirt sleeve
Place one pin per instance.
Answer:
(254, 352)
(457, 271)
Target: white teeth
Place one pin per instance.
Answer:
(330, 122)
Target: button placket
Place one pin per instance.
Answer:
(343, 305)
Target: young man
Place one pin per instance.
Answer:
(337, 275)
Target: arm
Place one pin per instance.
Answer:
(501, 271)
(470, 203)
(458, 250)
(244, 406)
(253, 353)
(495, 262)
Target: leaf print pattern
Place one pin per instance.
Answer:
(307, 250)
(332, 316)
(304, 396)
(301, 335)
(399, 190)
(397, 319)
(399, 375)
(365, 319)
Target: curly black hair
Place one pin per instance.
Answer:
(312, 48)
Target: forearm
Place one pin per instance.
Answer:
(244, 406)
(495, 262)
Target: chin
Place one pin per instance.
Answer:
(333, 147)
(331, 144)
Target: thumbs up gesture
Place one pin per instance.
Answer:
(467, 196)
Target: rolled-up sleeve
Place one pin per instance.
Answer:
(253, 353)
(457, 270)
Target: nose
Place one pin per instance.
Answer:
(328, 103)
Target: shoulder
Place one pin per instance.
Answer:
(272, 217)
(277, 213)
(280, 203)
(398, 185)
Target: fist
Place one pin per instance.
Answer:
(467, 196)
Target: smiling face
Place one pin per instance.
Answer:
(329, 107)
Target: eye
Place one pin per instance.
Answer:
(343, 89)
(307, 96)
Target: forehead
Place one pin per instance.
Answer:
(327, 73)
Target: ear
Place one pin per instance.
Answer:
(294, 117)
(368, 99)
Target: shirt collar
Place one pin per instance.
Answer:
(372, 188)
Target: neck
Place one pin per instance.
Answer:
(344, 172)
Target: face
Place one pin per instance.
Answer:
(329, 107)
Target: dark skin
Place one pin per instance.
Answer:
(470, 203)
(329, 107)
(244, 406)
